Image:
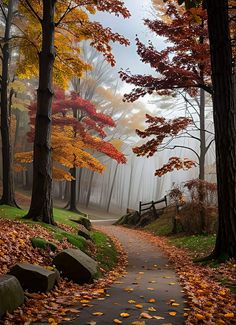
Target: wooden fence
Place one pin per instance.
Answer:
(151, 205)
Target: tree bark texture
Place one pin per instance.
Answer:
(225, 126)
(73, 184)
(41, 208)
(8, 196)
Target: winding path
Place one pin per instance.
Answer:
(149, 276)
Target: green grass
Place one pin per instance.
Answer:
(160, 227)
(64, 216)
(42, 243)
(10, 212)
(107, 255)
(74, 239)
(198, 245)
(60, 215)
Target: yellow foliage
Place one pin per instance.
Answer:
(68, 62)
(67, 151)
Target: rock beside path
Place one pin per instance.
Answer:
(82, 231)
(76, 265)
(34, 278)
(11, 294)
(83, 221)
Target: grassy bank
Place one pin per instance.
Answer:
(101, 247)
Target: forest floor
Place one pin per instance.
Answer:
(150, 292)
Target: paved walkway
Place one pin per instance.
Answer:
(149, 276)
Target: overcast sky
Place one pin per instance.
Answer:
(127, 57)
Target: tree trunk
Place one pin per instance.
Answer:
(225, 126)
(202, 136)
(202, 161)
(8, 196)
(112, 187)
(72, 199)
(89, 188)
(41, 201)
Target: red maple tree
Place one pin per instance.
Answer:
(183, 64)
(88, 123)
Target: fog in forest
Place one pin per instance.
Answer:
(119, 186)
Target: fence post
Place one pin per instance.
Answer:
(154, 209)
(166, 200)
(140, 205)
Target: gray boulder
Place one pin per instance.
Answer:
(83, 221)
(34, 278)
(76, 265)
(11, 294)
(82, 231)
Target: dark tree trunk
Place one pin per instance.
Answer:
(225, 126)
(41, 201)
(72, 200)
(8, 196)
(202, 136)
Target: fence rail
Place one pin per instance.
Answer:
(151, 205)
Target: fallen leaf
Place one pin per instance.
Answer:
(73, 310)
(151, 289)
(229, 315)
(172, 313)
(145, 315)
(174, 304)
(139, 306)
(125, 315)
(151, 309)
(199, 316)
(128, 289)
(131, 301)
(152, 300)
(98, 313)
(138, 323)
(117, 321)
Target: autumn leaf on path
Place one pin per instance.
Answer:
(145, 315)
(172, 313)
(98, 313)
(151, 309)
(139, 306)
(131, 301)
(128, 289)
